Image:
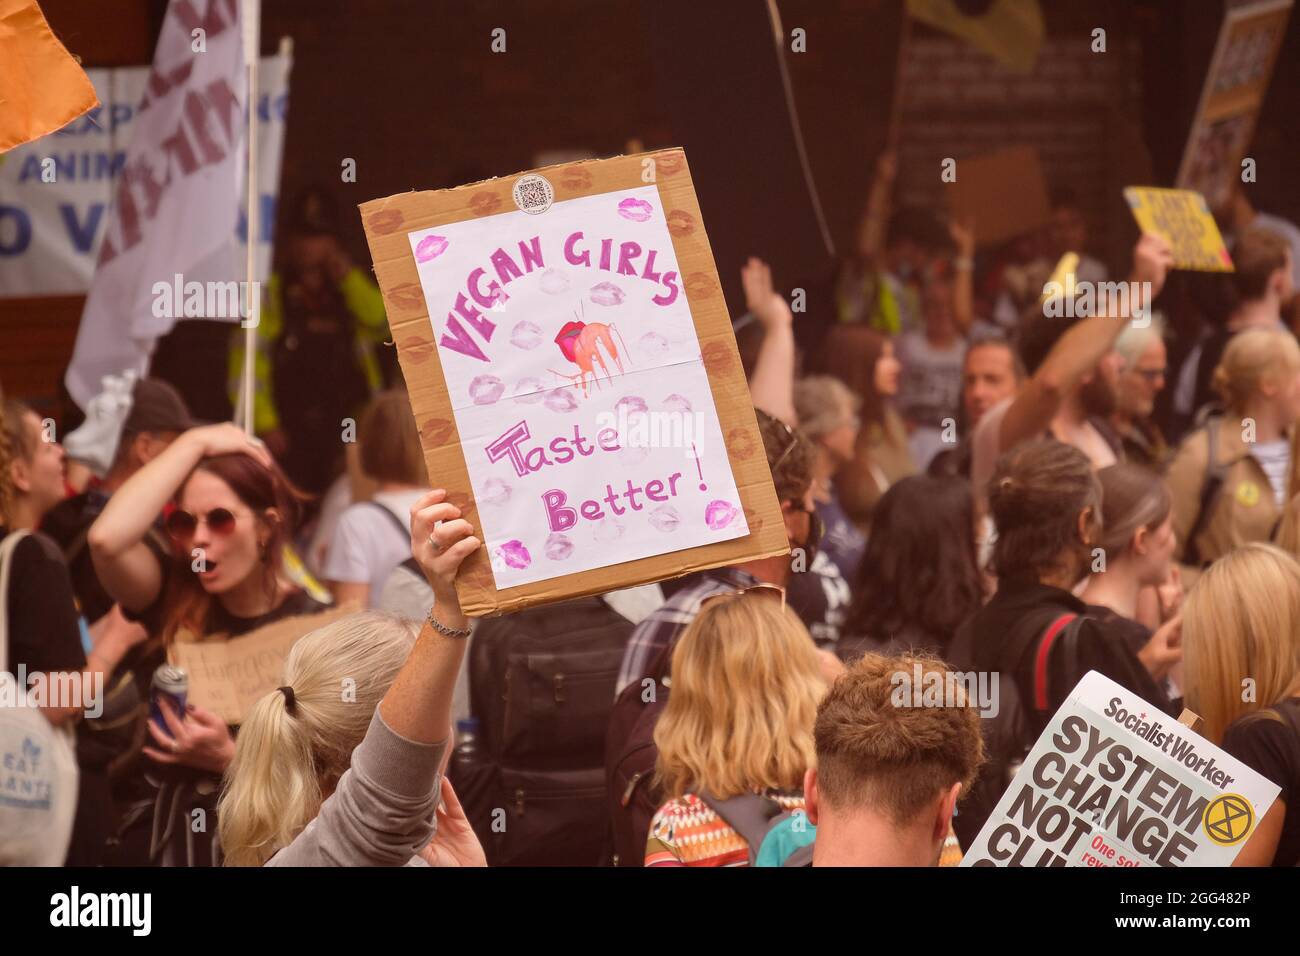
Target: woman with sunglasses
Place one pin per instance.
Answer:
(736, 734)
(234, 512)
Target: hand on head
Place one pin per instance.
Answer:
(228, 438)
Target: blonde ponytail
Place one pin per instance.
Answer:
(1251, 358)
(296, 743)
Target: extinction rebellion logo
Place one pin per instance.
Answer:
(1229, 819)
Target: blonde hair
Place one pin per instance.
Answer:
(1242, 621)
(1251, 358)
(746, 683)
(286, 761)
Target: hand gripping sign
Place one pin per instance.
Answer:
(1113, 781)
(573, 373)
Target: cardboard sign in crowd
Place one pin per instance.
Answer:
(574, 376)
(1182, 218)
(228, 676)
(1236, 83)
(1113, 781)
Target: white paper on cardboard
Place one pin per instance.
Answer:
(575, 377)
(1113, 781)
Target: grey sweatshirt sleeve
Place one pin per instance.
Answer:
(382, 811)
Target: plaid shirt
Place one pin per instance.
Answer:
(664, 625)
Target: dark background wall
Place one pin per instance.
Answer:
(413, 93)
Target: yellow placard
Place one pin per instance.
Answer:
(1064, 277)
(1181, 218)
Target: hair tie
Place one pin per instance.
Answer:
(290, 702)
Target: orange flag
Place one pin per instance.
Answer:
(41, 86)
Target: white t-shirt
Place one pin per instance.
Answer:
(1274, 457)
(368, 545)
(929, 391)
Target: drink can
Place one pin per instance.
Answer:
(172, 683)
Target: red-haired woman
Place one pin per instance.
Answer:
(234, 512)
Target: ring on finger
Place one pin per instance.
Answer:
(434, 543)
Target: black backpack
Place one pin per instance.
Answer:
(541, 685)
(630, 757)
(1012, 731)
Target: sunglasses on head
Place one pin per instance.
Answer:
(772, 592)
(181, 525)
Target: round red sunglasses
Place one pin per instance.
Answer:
(181, 525)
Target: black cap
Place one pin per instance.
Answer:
(157, 407)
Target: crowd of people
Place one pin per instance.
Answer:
(971, 480)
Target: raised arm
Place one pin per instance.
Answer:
(124, 563)
(963, 284)
(875, 217)
(381, 813)
(1086, 343)
(418, 705)
(771, 387)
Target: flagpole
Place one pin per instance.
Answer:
(251, 30)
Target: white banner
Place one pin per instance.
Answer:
(50, 231)
(1114, 782)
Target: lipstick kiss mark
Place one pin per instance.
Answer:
(700, 285)
(576, 178)
(669, 164)
(680, 223)
(437, 431)
(716, 357)
(430, 247)
(385, 221)
(407, 296)
(417, 348)
(740, 444)
(636, 210)
(484, 202)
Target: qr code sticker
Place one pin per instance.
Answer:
(533, 194)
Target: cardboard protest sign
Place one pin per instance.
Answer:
(1004, 192)
(229, 675)
(1113, 781)
(1234, 90)
(572, 369)
(1181, 218)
